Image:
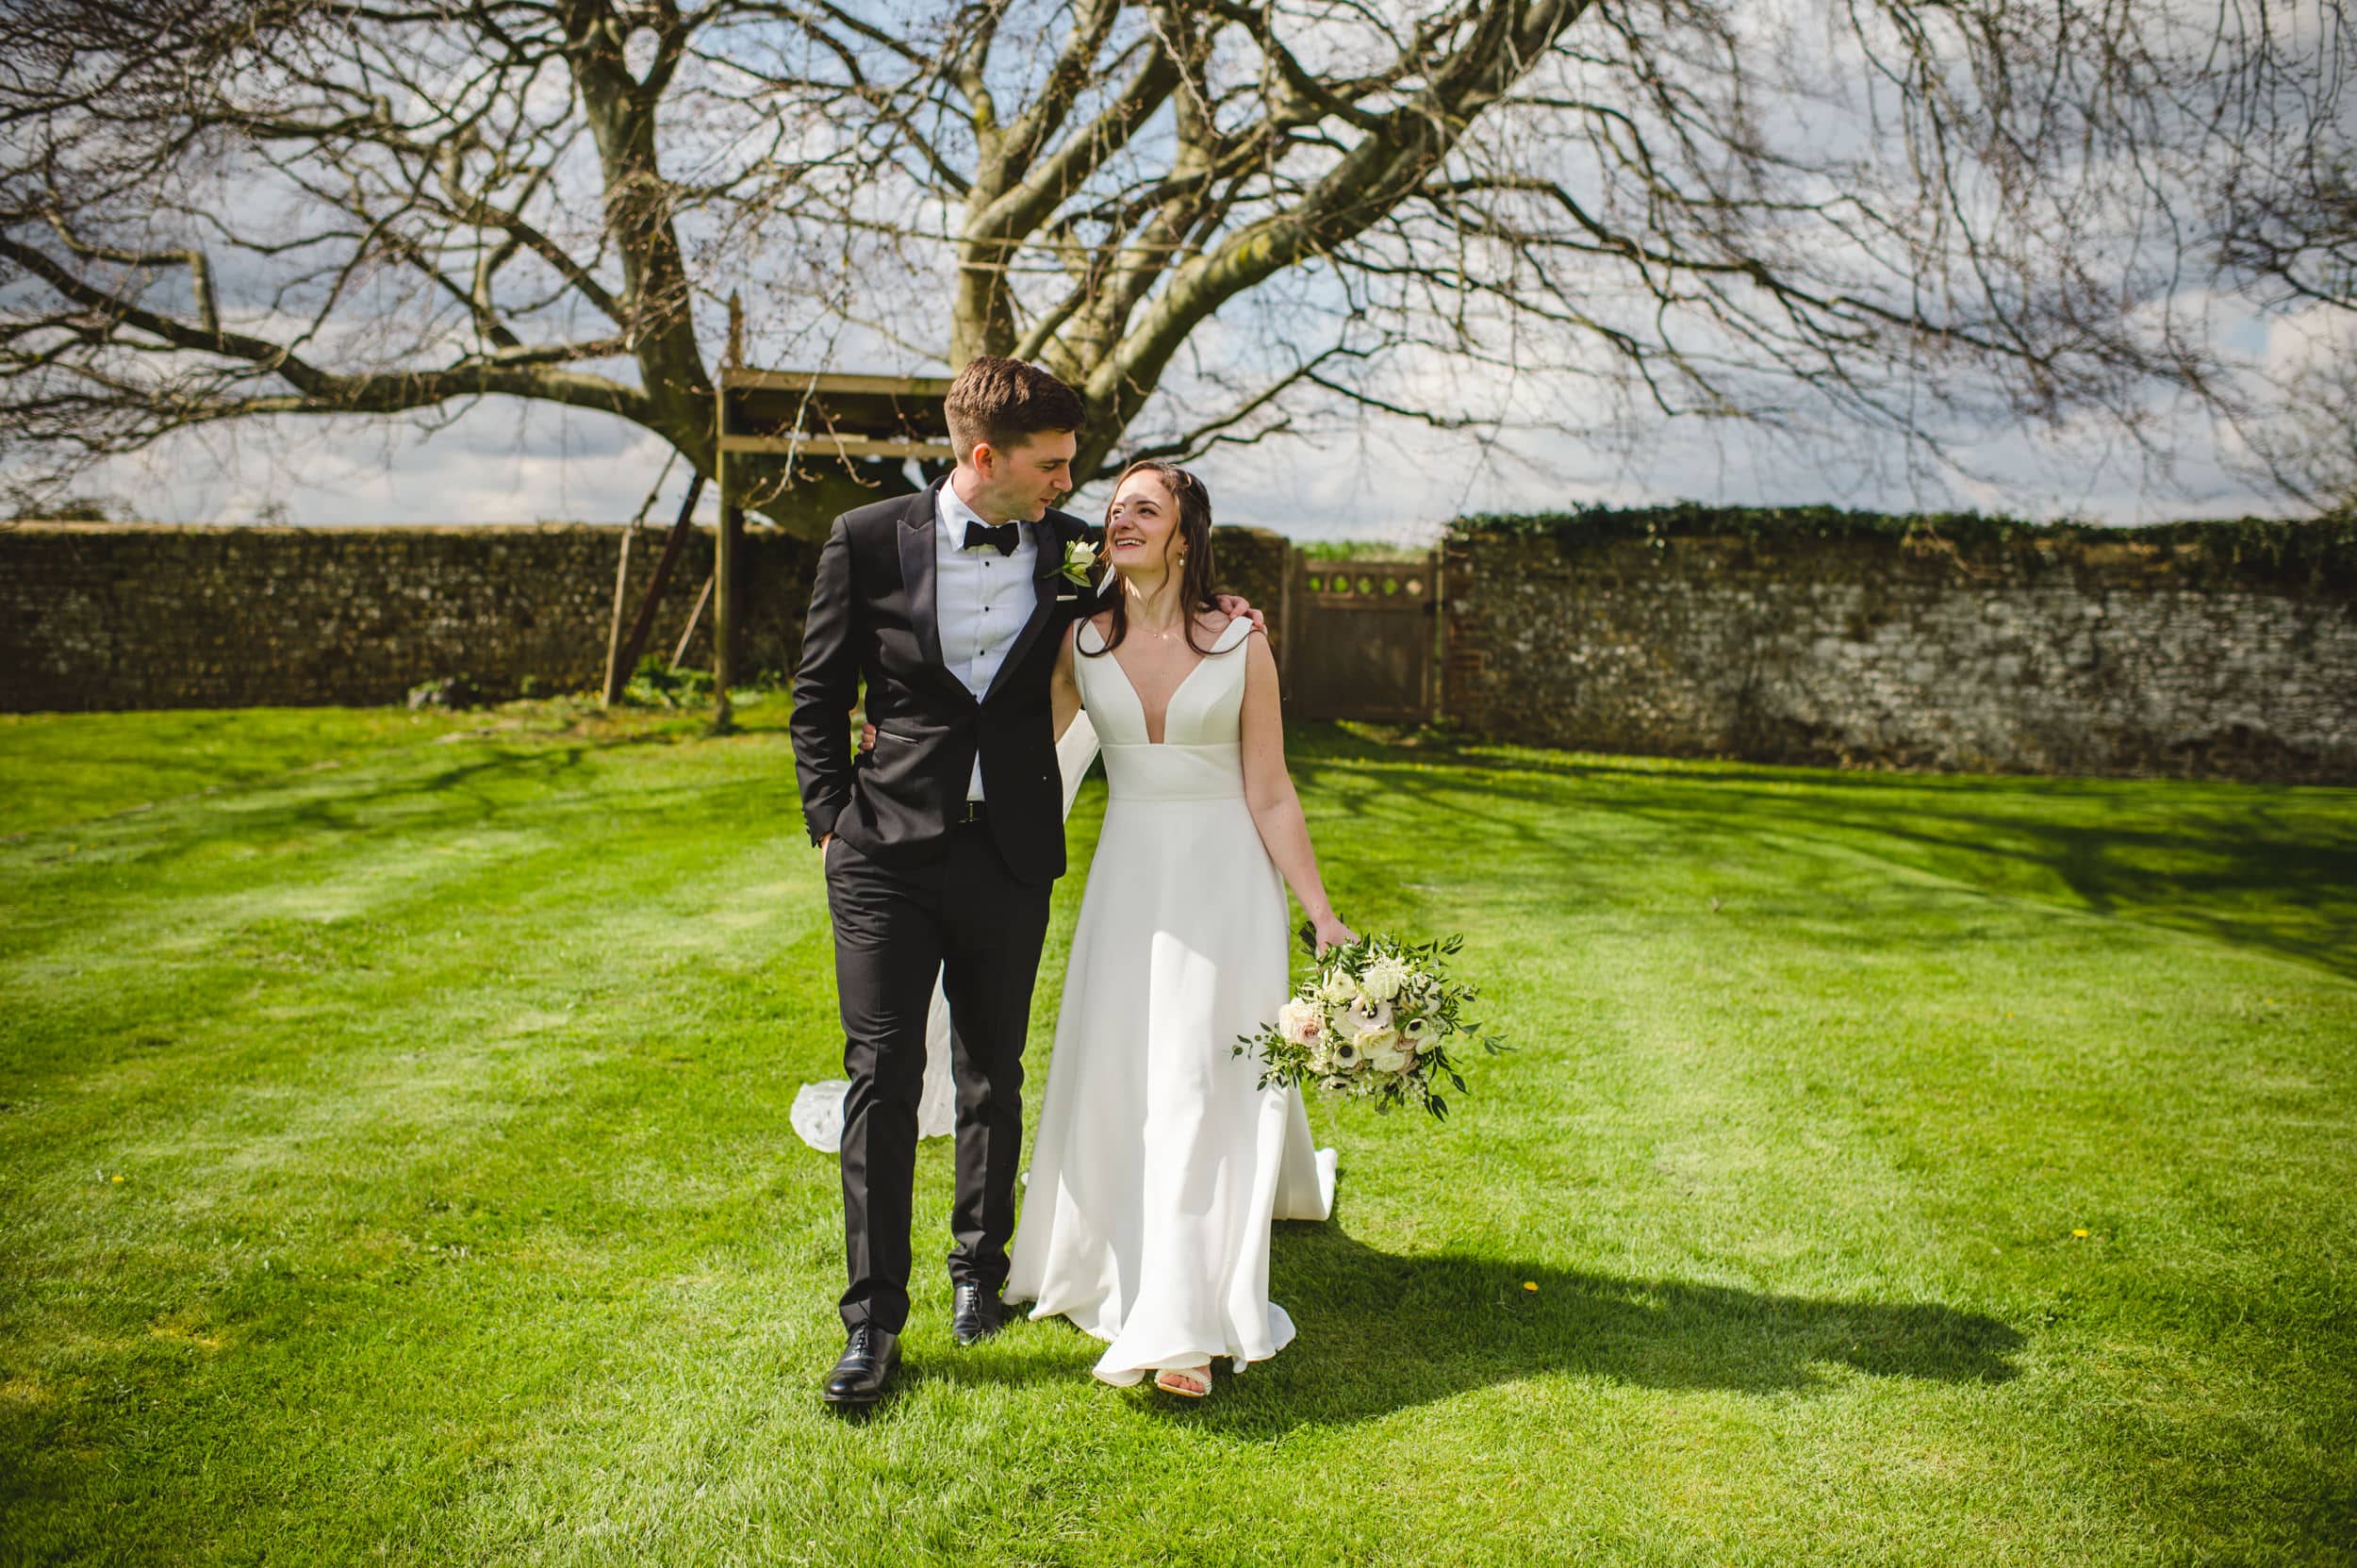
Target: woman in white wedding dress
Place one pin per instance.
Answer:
(1159, 1164)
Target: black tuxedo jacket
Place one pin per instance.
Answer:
(872, 622)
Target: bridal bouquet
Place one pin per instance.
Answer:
(1373, 1020)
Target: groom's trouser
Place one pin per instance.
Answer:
(965, 919)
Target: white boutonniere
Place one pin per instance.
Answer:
(1079, 563)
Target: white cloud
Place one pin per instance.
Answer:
(2316, 334)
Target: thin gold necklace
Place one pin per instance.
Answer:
(1166, 636)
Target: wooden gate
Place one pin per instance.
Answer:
(1358, 638)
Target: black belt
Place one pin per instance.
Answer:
(974, 813)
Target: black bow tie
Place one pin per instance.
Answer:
(1000, 538)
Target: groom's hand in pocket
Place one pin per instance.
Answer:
(869, 743)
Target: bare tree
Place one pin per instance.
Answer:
(2287, 222)
(2307, 443)
(1221, 220)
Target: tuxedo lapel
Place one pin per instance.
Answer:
(1044, 579)
(920, 581)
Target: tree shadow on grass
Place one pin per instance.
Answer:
(419, 784)
(2254, 866)
(1379, 1334)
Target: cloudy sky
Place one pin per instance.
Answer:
(1378, 479)
(503, 461)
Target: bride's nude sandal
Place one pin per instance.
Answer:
(1183, 1381)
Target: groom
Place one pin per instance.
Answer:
(942, 843)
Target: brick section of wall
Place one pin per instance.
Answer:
(151, 616)
(2064, 656)
(144, 615)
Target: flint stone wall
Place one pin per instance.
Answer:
(97, 615)
(148, 616)
(1257, 564)
(2172, 651)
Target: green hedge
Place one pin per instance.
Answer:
(2318, 553)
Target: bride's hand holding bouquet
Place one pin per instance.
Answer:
(1374, 1020)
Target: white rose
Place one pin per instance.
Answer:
(1381, 980)
(1338, 987)
(1378, 1045)
(1302, 1022)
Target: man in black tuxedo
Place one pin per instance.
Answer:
(942, 841)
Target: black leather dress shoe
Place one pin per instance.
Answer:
(977, 1314)
(858, 1379)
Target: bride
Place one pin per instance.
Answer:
(1159, 1164)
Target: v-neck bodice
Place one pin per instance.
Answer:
(1199, 756)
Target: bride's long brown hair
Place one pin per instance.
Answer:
(1193, 541)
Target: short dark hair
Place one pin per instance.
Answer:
(1004, 401)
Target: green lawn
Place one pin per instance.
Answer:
(395, 1166)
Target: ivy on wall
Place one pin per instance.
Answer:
(2318, 553)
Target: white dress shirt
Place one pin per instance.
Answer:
(981, 599)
